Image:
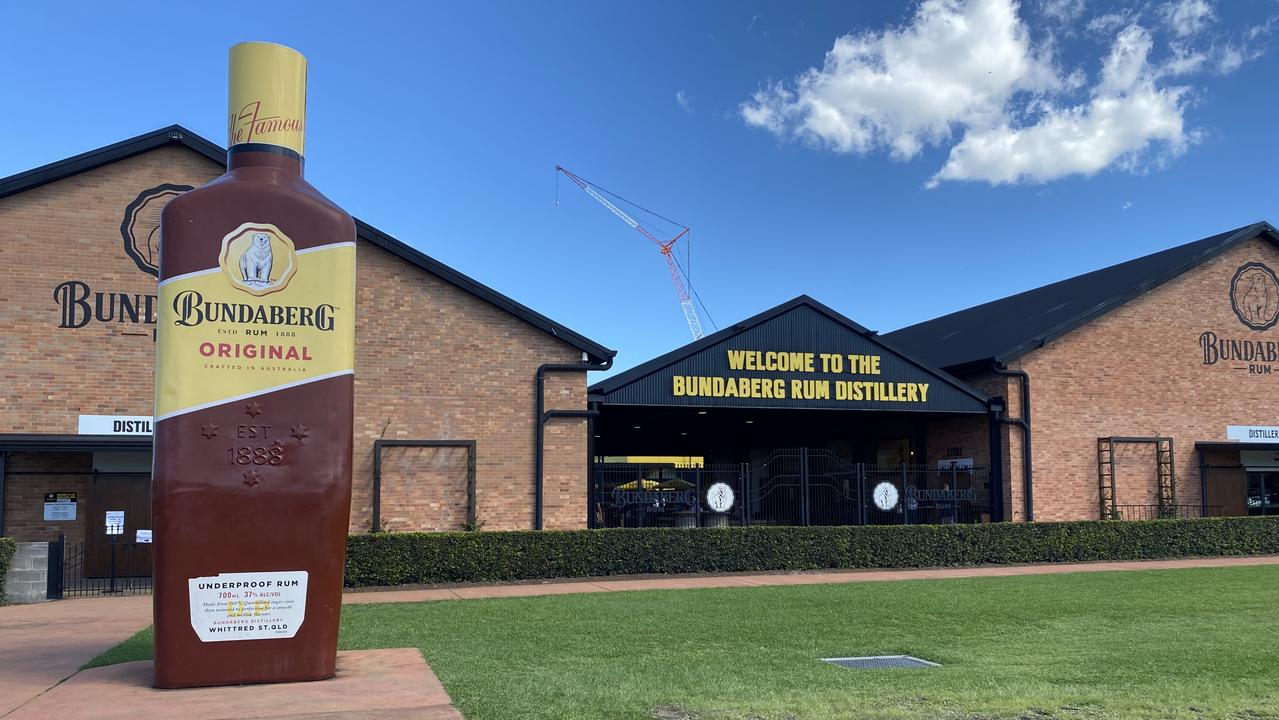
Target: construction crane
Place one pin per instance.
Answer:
(681, 292)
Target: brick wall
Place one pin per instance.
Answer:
(1139, 371)
(27, 477)
(424, 488)
(433, 362)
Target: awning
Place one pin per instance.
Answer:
(74, 443)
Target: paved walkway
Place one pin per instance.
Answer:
(370, 685)
(684, 582)
(42, 645)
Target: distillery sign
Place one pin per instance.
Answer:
(1254, 298)
(81, 304)
(808, 377)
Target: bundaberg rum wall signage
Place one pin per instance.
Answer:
(1254, 298)
(255, 353)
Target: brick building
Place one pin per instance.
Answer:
(1141, 390)
(1151, 382)
(447, 370)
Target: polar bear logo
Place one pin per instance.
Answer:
(256, 260)
(1257, 303)
(1254, 296)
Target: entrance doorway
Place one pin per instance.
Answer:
(1262, 494)
(129, 493)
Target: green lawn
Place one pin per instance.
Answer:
(1198, 643)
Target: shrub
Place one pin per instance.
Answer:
(8, 546)
(403, 558)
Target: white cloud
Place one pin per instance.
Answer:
(1062, 11)
(1184, 60)
(1126, 116)
(684, 101)
(1127, 204)
(1187, 17)
(970, 76)
(1108, 23)
(957, 64)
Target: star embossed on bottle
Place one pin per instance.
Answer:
(252, 478)
(209, 431)
(301, 433)
(253, 408)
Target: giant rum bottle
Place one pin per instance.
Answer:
(255, 354)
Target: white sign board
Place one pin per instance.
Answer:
(1252, 433)
(59, 506)
(885, 496)
(248, 606)
(115, 425)
(115, 522)
(720, 497)
(142, 536)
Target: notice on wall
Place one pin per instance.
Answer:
(59, 506)
(115, 522)
(142, 536)
(248, 606)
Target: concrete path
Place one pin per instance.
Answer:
(42, 645)
(370, 685)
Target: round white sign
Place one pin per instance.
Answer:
(720, 497)
(885, 496)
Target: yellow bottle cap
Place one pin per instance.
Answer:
(267, 98)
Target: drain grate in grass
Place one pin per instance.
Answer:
(881, 662)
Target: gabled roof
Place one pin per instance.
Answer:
(179, 136)
(1003, 330)
(621, 381)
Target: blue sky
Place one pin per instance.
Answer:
(896, 161)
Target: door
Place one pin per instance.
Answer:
(1262, 496)
(115, 492)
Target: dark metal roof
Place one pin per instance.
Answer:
(1003, 330)
(613, 385)
(178, 135)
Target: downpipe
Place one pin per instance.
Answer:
(543, 415)
(1023, 422)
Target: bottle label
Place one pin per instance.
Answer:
(248, 606)
(268, 317)
(267, 100)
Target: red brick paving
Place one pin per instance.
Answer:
(388, 684)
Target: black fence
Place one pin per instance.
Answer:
(789, 487)
(1166, 512)
(108, 568)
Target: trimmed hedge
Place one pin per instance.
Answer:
(8, 546)
(404, 558)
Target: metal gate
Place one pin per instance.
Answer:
(800, 486)
(113, 568)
